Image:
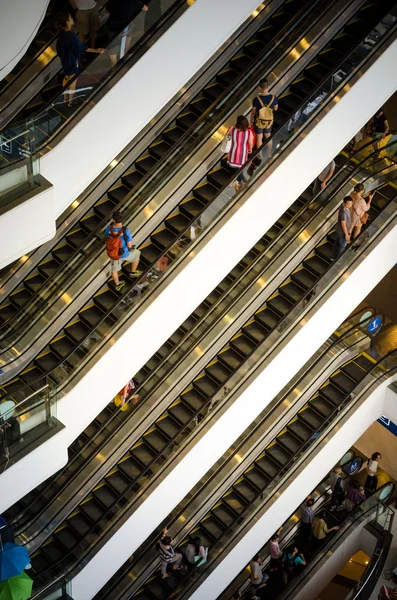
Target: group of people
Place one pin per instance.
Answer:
(195, 555)
(352, 215)
(246, 134)
(71, 46)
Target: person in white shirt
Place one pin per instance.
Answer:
(371, 482)
(196, 553)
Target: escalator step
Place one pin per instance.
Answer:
(311, 417)
(316, 265)
(79, 523)
(268, 466)
(279, 305)
(303, 278)
(354, 371)
(76, 238)
(168, 426)
(277, 453)
(118, 482)
(193, 399)
(163, 238)
(92, 509)
(91, 315)
(142, 454)
(47, 361)
(213, 91)
(21, 297)
(213, 527)
(130, 468)
(267, 318)
(118, 194)
(132, 179)
(205, 192)
(77, 331)
(316, 72)
(206, 386)
(257, 478)
(242, 345)
(67, 537)
(219, 177)
(364, 362)
(156, 440)
(292, 292)
(105, 208)
(159, 149)
(186, 120)
(218, 372)
(234, 502)
(253, 48)
(90, 223)
(332, 394)
(300, 430)
(255, 332)
(35, 282)
(62, 346)
(322, 406)
(324, 251)
(173, 135)
(224, 515)
(181, 413)
(289, 441)
(200, 105)
(106, 300)
(177, 223)
(230, 358)
(227, 77)
(191, 208)
(105, 495)
(343, 382)
(145, 164)
(244, 488)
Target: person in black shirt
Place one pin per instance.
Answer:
(379, 128)
(122, 12)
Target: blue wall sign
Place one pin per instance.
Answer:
(385, 421)
(374, 325)
(354, 466)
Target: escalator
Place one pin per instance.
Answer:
(250, 488)
(98, 317)
(276, 588)
(149, 452)
(33, 90)
(111, 495)
(190, 333)
(177, 135)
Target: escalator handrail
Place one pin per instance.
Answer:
(98, 231)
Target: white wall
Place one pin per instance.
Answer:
(343, 438)
(135, 99)
(19, 21)
(33, 218)
(195, 281)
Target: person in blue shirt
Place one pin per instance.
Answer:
(129, 253)
(292, 562)
(69, 49)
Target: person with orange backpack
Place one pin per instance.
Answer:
(119, 248)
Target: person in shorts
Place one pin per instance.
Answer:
(129, 253)
(87, 19)
(264, 98)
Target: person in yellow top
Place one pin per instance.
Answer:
(320, 528)
(121, 398)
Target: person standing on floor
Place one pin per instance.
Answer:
(307, 516)
(361, 205)
(241, 140)
(371, 483)
(69, 49)
(119, 244)
(342, 233)
(323, 178)
(167, 554)
(87, 19)
(338, 494)
(320, 528)
(262, 116)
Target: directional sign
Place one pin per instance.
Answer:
(374, 325)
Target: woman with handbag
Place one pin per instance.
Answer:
(240, 142)
(360, 208)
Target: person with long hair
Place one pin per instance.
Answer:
(242, 141)
(361, 205)
(196, 554)
(69, 49)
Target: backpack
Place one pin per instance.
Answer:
(265, 114)
(289, 567)
(114, 246)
